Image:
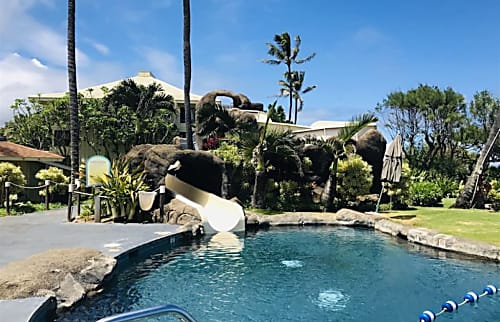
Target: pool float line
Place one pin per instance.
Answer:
(452, 306)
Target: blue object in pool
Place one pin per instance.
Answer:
(307, 274)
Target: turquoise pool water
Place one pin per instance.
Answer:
(308, 274)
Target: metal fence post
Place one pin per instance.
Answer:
(47, 184)
(70, 201)
(7, 197)
(162, 203)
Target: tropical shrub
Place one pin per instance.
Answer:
(493, 195)
(58, 179)
(354, 178)
(121, 190)
(288, 196)
(425, 193)
(399, 193)
(11, 173)
(449, 187)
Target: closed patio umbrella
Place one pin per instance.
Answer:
(393, 161)
(392, 164)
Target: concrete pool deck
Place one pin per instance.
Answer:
(29, 234)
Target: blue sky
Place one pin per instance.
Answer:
(364, 49)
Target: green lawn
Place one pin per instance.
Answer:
(475, 224)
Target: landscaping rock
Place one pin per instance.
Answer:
(371, 147)
(178, 213)
(355, 218)
(392, 228)
(198, 168)
(67, 274)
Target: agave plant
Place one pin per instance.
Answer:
(121, 188)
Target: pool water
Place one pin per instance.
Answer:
(308, 274)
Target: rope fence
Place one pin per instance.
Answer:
(146, 200)
(8, 184)
(452, 306)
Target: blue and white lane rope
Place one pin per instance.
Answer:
(451, 306)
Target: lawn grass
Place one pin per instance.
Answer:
(475, 224)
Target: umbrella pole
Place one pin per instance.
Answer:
(379, 198)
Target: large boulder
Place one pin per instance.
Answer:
(320, 163)
(198, 168)
(371, 147)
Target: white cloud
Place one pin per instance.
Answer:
(369, 36)
(21, 32)
(163, 65)
(103, 49)
(21, 77)
(38, 63)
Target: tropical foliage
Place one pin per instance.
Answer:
(120, 190)
(283, 53)
(130, 114)
(294, 82)
(59, 181)
(337, 147)
(354, 179)
(11, 173)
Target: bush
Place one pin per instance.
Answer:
(449, 187)
(11, 173)
(399, 193)
(288, 196)
(121, 187)
(493, 195)
(425, 193)
(55, 175)
(354, 178)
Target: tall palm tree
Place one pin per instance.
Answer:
(283, 52)
(149, 110)
(336, 147)
(187, 71)
(468, 197)
(295, 81)
(73, 95)
(269, 149)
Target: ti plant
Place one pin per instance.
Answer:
(121, 188)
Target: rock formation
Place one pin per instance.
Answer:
(371, 147)
(198, 168)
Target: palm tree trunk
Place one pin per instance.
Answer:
(187, 71)
(259, 189)
(290, 91)
(330, 187)
(296, 110)
(73, 96)
(469, 198)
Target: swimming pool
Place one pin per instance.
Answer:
(307, 274)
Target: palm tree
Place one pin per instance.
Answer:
(149, 110)
(295, 81)
(468, 197)
(269, 150)
(187, 71)
(283, 52)
(336, 147)
(73, 96)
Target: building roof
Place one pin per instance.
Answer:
(10, 151)
(144, 78)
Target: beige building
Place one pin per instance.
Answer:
(319, 129)
(143, 78)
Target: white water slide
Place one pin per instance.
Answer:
(217, 214)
